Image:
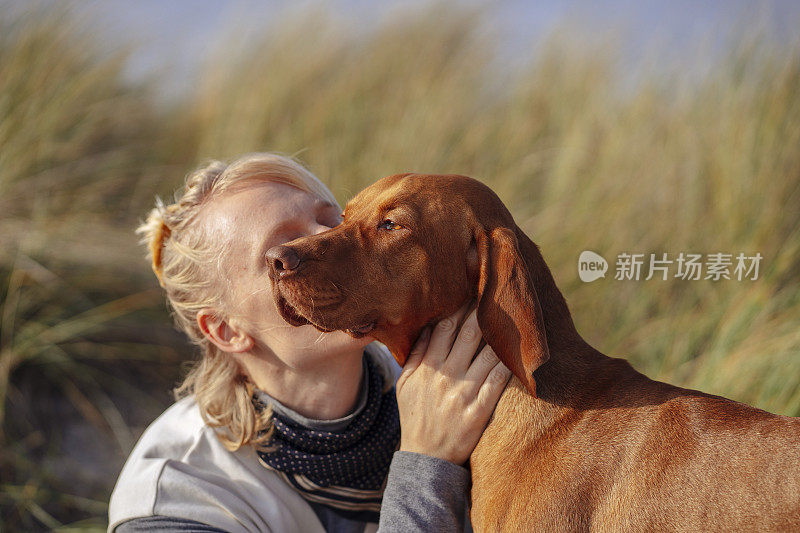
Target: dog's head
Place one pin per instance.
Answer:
(411, 250)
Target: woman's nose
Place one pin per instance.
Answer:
(283, 260)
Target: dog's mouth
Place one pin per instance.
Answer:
(289, 313)
(362, 330)
(297, 317)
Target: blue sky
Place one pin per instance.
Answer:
(173, 37)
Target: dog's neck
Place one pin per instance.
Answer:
(576, 375)
(575, 368)
(559, 327)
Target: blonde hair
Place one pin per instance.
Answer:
(181, 257)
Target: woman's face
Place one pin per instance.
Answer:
(249, 221)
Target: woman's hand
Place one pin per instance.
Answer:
(446, 399)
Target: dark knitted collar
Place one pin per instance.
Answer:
(343, 468)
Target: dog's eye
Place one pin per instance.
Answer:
(389, 225)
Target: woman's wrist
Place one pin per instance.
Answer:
(438, 454)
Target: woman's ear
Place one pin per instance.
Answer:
(227, 335)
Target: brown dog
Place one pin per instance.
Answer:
(579, 441)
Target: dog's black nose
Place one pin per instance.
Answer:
(283, 260)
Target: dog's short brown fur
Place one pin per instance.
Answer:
(579, 441)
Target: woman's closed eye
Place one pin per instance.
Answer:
(330, 217)
(329, 222)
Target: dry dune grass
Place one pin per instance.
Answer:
(666, 164)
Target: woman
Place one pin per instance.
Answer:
(280, 428)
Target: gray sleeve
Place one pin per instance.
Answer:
(165, 523)
(424, 493)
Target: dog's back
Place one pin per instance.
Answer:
(632, 454)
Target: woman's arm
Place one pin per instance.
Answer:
(445, 398)
(424, 493)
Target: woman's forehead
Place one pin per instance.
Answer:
(279, 200)
(252, 213)
(265, 200)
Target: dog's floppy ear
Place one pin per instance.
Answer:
(509, 313)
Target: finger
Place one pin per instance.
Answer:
(464, 347)
(442, 338)
(483, 363)
(417, 351)
(492, 388)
